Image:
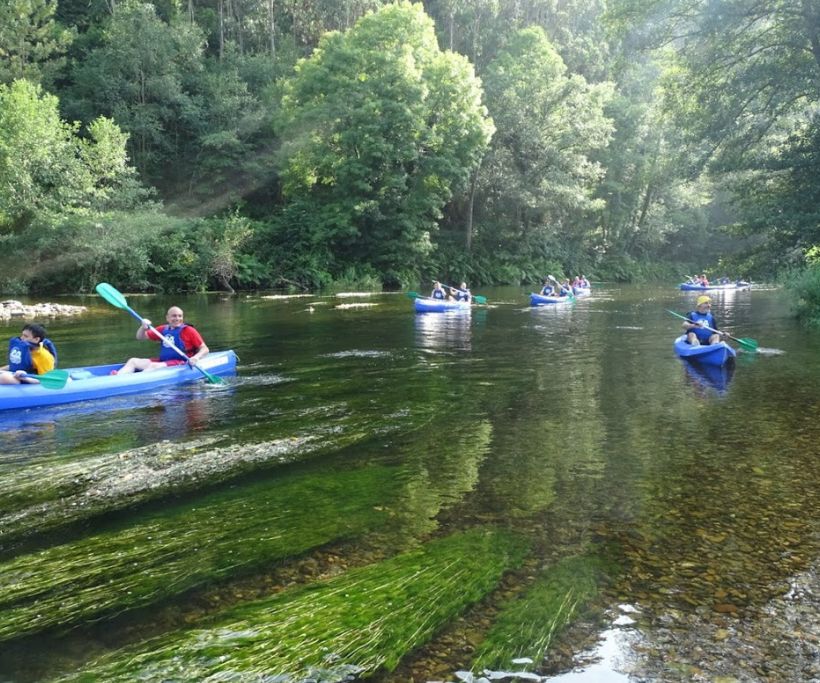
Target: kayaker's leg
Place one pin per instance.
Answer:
(692, 339)
(138, 365)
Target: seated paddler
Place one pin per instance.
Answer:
(32, 353)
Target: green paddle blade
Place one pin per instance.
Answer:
(748, 344)
(213, 379)
(54, 379)
(415, 295)
(479, 299)
(111, 295)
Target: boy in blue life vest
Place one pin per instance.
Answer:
(184, 337)
(696, 333)
(31, 353)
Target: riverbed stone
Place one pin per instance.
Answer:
(11, 308)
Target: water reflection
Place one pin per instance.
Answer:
(168, 414)
(708, 379)
(448, 330)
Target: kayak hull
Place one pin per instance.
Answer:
(581, 291)
(97, 382)
(541, 300)
(439, 306)
(733, 286)
(714, 354)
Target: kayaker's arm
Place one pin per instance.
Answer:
(201, 352)
(142, 332)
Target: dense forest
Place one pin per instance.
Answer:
(245, 144)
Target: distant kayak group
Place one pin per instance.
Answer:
(700, 283)
(702, 341)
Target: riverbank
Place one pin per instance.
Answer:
(14, 309)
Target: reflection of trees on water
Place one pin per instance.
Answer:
(440, 466)
(449, 330)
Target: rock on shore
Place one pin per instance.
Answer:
(14, 309)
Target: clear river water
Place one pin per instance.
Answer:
(404, 496)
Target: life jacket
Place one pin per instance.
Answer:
(548, 290)
(439, 294)
(166, 352)
(34, 359)
(700, 332)
(462, 296)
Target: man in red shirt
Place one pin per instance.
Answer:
(175, 334)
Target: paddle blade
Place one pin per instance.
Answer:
(212, 379)
(415, 295)
(111, 295)
(54, 379)
(747, 344)
(480, 299)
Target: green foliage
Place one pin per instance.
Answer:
(31, 42)
(539, 175)
(803, 285)
(46, 169)
(75, 252)
(137, 77)
(380, 127)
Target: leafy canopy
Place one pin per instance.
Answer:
(380, 126)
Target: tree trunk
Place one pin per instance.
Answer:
(468, 227)
(271, 28)
(221, 27)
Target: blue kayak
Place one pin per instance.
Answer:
(581, 291)
(712, 354)
(429, 305)
(541, 300)
(97, 382)
(732, 286)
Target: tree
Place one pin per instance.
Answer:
(31, 43)
(137, 77)
(380, 126)
(539, 176)
(742, 88)
(45, 167)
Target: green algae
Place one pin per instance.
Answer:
(50, 493)
(359, 622)
(527, 623)
(163, 554)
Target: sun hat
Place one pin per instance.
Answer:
(704, 300)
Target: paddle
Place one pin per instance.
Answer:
(53, 379)
(475, 297)
(113, 297)
(569, 294)
(414, 295)
(744, 343)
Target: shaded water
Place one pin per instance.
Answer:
(355, 430)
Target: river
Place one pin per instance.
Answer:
(548, 490)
